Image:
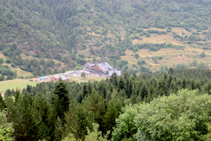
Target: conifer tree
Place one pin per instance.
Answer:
(113, 79)
(144, 92)
(113, 111)
(61, 99)
(17, 93)
(85, 91)
(43, 108)
(2, 104)
(77, 121)
(209, 88)
(95, 106)
(59, 129)
(121, 84)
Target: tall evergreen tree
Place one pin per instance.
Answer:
(85, 91)
(2, 104)
(61, 99)
(144, 92)
(113, 79)
(121, 84)
(113, 111)
(95, 107)
(46, 113)
(77, 121)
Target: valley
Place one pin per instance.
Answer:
(105, 70)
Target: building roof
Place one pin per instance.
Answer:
(105, 67)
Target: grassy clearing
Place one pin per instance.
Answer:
(20, 73)
(130, 57)
(154, 38)
(45, 59)
(86, 79)
(15, 84)
(22, 83)
(170, 57)
(154, 28)
(181, 31)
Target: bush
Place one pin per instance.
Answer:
(141, 62)
(8, 61)
(160, 57)
(1, 60)
(147, 34)
(203, 55)
(137, 55)
(13, 65)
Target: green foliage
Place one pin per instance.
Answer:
(6, 128)
(97, 27)
(61, 99)
(126, 128)
(2, 104)
(35, 116)
(203, 55)
(95, 108)
(113, 111)
(94, 135)
(8, 61)
(77, 122)
(6, 71)
(1, 60)
(141, 62)
(83, 75)
(59, 129)
(70, 137)
(180, 116)
(136, 55)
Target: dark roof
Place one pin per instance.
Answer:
(105, 67)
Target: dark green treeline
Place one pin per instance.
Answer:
(52, 111)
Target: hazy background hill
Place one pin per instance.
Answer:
(40, 37)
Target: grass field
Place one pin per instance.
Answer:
(86, 79)
(22, 83)
(15, 84)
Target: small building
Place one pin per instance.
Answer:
(101, 68)
(43, 78)
(63, 78)
(53, 79)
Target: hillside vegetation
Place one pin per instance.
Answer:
(45, 37)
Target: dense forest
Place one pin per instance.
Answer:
(160, 106)
(49, 36)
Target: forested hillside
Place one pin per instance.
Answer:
(48, 36)
(165, 106)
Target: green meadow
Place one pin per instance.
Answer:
(15, 84)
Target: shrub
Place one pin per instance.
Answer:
(137, 55)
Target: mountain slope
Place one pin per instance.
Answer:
(72, 32)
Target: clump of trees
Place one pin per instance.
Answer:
(181, 116)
